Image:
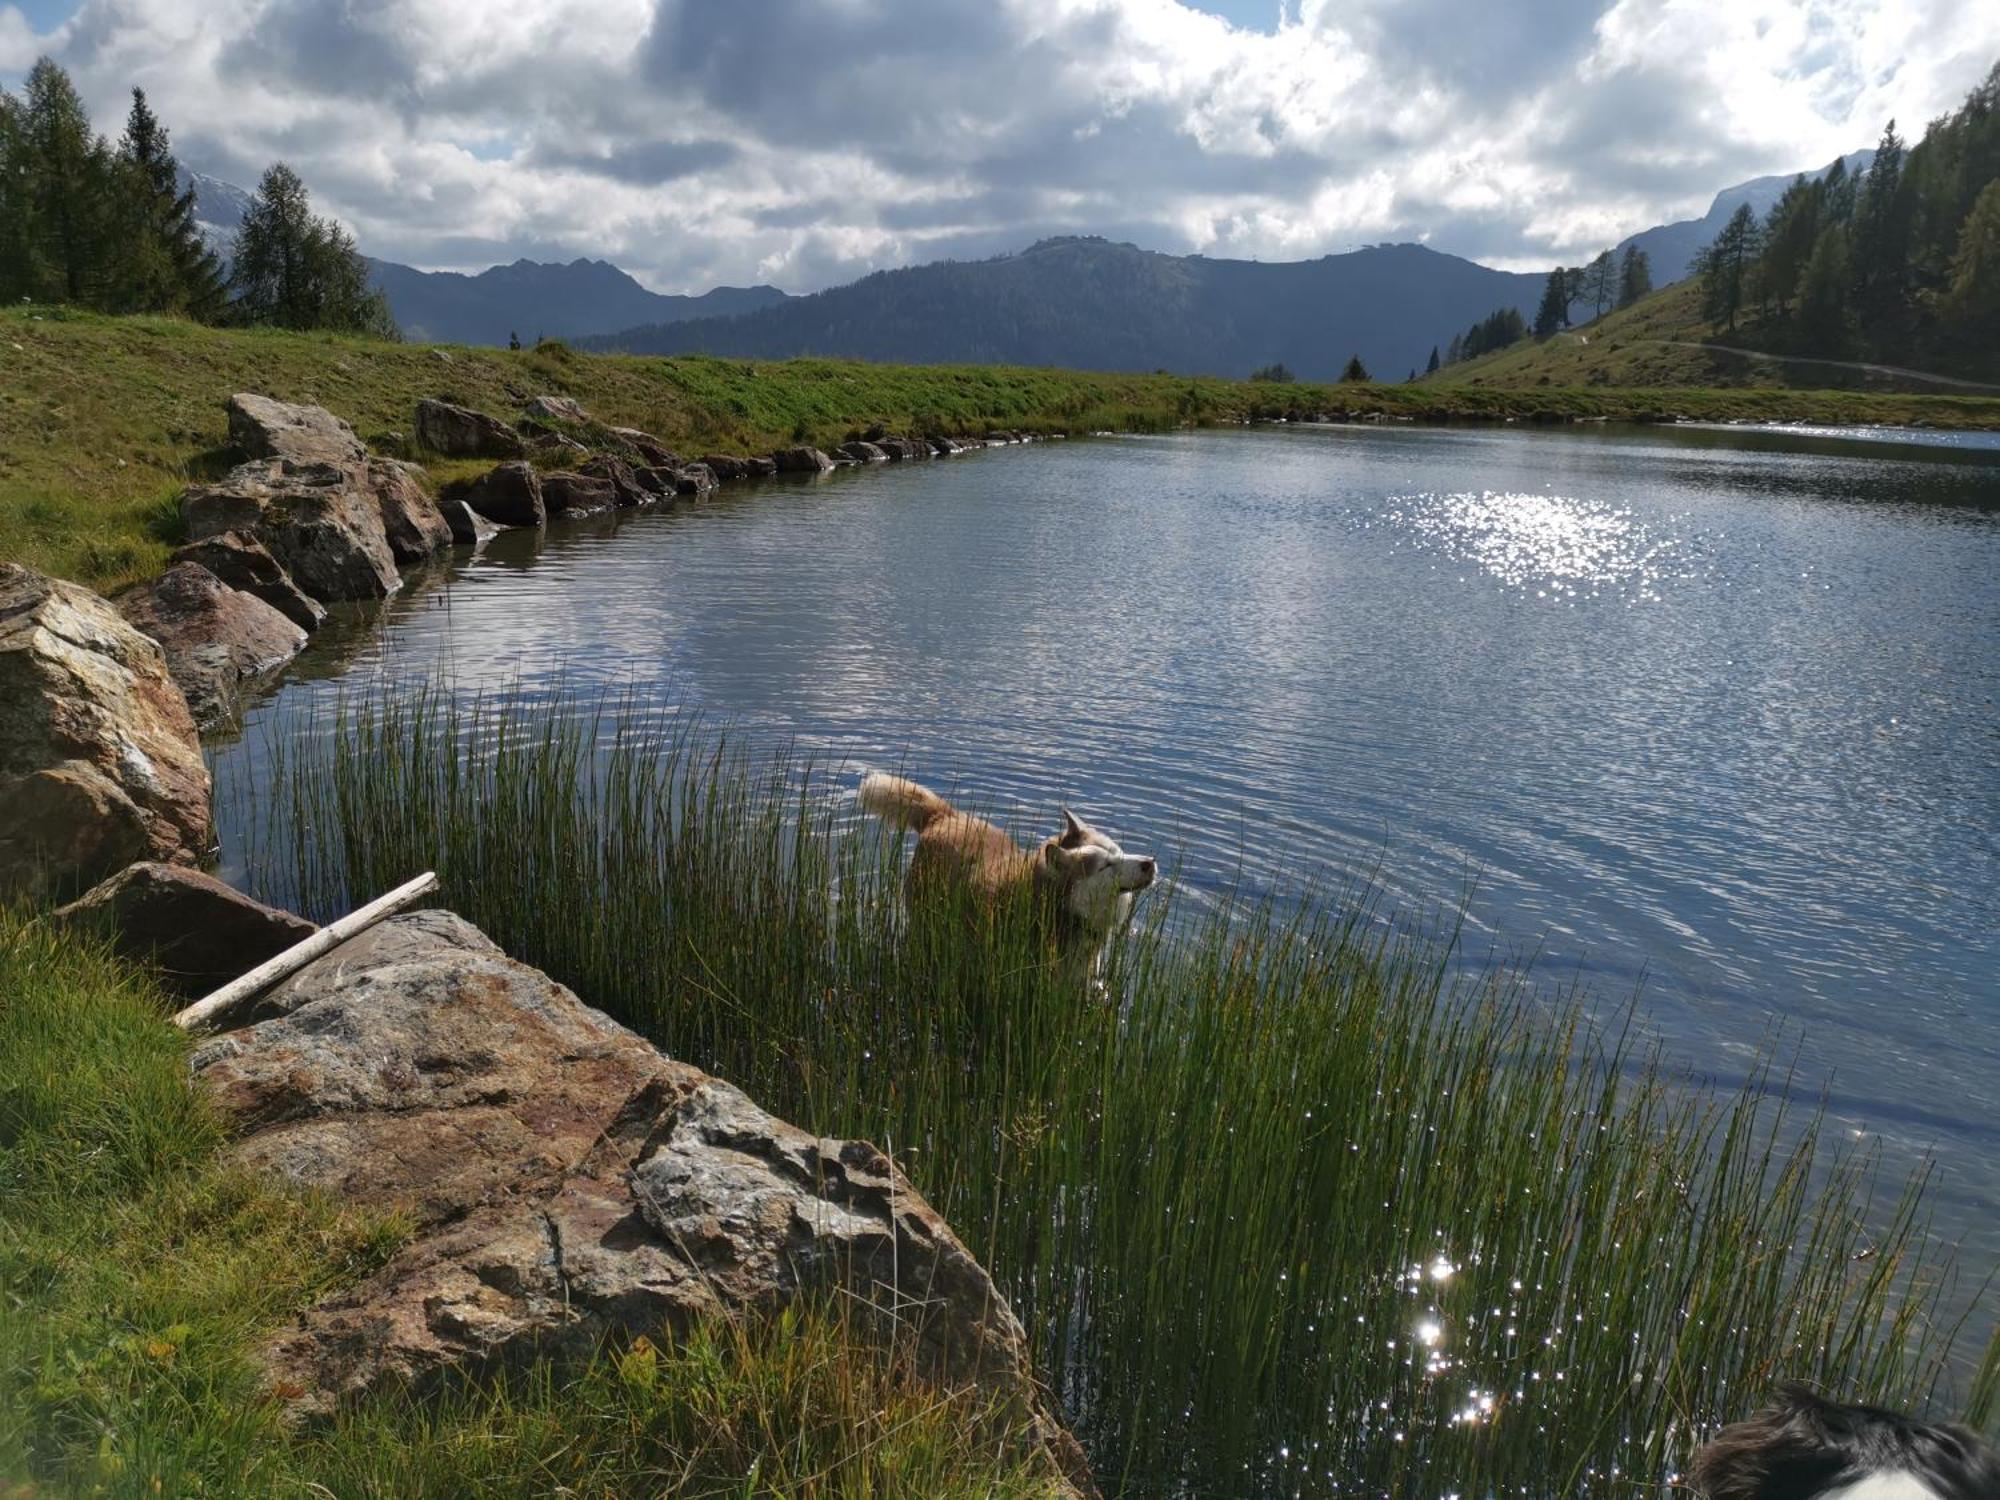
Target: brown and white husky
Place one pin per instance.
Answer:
(1081, 883)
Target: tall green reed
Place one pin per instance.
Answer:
(1294, 1204)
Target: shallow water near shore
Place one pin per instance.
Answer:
(1711, 712)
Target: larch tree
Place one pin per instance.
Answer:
(67, 189)
(294, 270)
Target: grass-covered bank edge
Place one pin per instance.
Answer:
(103, 420)
(1311, 1210)
(138, 1271)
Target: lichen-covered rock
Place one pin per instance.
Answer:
(216, 638)
(200, 933)
(694, 479)
(460, 432)
(321, 521)
(567, 1181)
(243, 562)
(415, 527)
(556, 408)
(264, 428)
(801, 461)
(510, 495)
(99, 760)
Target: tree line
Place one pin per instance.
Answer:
(1904, 254)
(95, 224)
(1605, 283)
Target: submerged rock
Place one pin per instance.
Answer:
(460, 432)
(726, 466)
(199, 932)
(694, 479)
(216, 638)
(568, 1182)
(243, 562)
(510, 495)
(466, 524)
(99, 760)
(264, 428)
(321, 521)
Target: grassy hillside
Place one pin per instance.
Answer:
(104, 420)
(1663, 340)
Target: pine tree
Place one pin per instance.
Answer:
(294, 270)
(1973, 296)
(1432, 367)
(1881, 247)
(166, 266)
(1554, 311)
(20, 273)
(1635, 276)
(1726, 268)
(1355, 369)
(1599, 286)
(1826, 325)
(68, 189)
(1455, 351)
(1790, 232)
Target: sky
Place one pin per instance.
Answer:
(807, 142)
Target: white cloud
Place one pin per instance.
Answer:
(806, 141)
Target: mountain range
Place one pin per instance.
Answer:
(1076, 301)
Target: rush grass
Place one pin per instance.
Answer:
(1300, 1207)
(138, 1272)
(104, 420)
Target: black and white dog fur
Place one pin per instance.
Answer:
(1804, 1447)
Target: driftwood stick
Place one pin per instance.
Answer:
(296, 957)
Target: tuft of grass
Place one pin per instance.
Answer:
(139, 1272)
(101, 417)
(1298, 1206)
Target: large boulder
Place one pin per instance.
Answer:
(567, 1182)
(801, 461)
(415, 527)
(99, 760)
(510, 495)
(623, 479)
(467, 525)
(243, 562)
(322, 522)
(199, 932)
(649, 448)
(216, 638)
(726, 466)
(264, 428)
(577, 494)
(863, 453)
(694, 479)
(556, 409)
(904, 450)
(460, 432)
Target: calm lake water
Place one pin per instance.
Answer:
(1704, 714)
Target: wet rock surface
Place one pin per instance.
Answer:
(99, 759)
(411, 521)
(198, 932)
(216, 638)
(510, 495)
(568, 1181)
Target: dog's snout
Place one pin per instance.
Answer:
(1149, 868)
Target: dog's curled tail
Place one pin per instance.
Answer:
(900, 801)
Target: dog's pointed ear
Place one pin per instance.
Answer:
(1073, 826)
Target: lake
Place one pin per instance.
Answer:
(1706, 715)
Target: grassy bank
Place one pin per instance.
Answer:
(1308, 1211)
(104, 420)
(138, 1272)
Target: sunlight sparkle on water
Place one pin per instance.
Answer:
(1555, 546)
